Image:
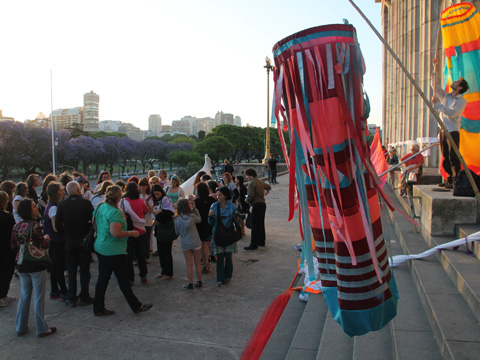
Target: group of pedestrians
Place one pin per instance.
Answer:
(126, 218)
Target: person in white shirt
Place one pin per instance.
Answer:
(450, 106)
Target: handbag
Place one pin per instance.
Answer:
(412, 177)
(89, 241)
(248, 222)
(128, 218)
(225, 236)
(29, 254)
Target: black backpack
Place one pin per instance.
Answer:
(462, 186)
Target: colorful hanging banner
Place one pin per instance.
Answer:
(460, 26)
(319, 96)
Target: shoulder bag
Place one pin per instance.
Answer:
(225, 236)
(127, 217)
(29, 254)
(89, 241)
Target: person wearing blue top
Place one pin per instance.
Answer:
(228, 213)
(111, 249)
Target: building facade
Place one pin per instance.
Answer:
(154, 124)
(91, 102)
(64, 118)
(411, 28)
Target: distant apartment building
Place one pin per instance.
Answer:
(5, 118)
(109, 125)
(91, 111)
(186, 124)
(205, 124)
(40, 121)
(64, 118)
(222, 118)
(130, 130)
(154, 124)
(237, 121)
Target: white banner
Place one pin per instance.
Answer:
(400, 259)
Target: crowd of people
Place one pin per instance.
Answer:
(133, 221)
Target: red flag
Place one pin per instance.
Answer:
(377, 157)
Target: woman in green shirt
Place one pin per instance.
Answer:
(111, 249)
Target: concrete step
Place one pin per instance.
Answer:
(309, 332)
(412, 334)
(455, 326)
(335, 344)
(466, 230)
(463, 270)
(281, 338)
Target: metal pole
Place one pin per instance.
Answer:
(51, 123)
(427, 102)
(269, 67)
(404, 161)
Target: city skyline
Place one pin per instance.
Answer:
(161, 58)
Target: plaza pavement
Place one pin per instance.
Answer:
(214, 323)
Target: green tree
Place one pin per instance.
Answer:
(76, 130)
(183, 140)
(101, 134)
(183, 157)
(216, 147)
(201, 135)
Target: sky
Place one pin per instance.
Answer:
(173, 58)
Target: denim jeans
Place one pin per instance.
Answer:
(118, 264)
(224, 266)
(32, 282)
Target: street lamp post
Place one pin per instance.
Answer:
(269, 67)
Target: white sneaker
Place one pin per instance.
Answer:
(3, 303)
(9, 299)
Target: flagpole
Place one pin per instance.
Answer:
(427, 102)
(404, 161)
(51, 122)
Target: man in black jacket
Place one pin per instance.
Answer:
(74, 218)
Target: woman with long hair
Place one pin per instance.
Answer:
(239, 198)
(163, 176)
(33, 181)
(136, 208)
(111, 249)
(99, 195)
(203, 202)
(144, 188)
(32, 277)
(174, 191)
(8, 187)
(163, 211)
(7, 258)
(103, 176)
(58, 288)
(20, 194)
(228, 182)
(197, 180)
(223, 210)
(43, 200)
(185, 220)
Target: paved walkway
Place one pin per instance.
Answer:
(214, 323)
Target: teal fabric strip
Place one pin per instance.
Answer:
(307, 253)
(360, 322)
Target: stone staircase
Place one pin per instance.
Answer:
(438, 311)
